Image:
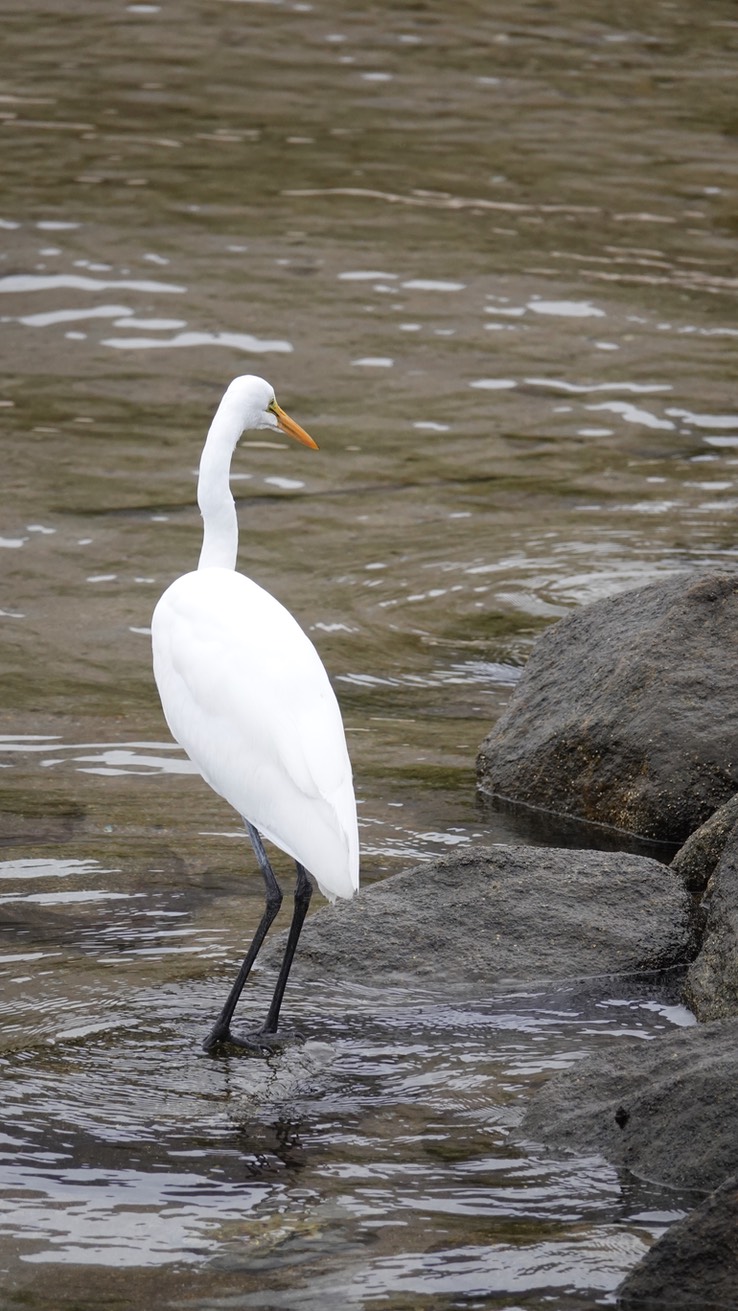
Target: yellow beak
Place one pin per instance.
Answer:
(292, 429)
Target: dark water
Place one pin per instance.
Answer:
(485, 254)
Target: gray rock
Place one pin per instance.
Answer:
(695, 1265)
(497, 916)
(711, 987)
(696, 860)
(666, 1110)
(627, 714)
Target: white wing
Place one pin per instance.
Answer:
(245, 693)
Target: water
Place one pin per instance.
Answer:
(484, 257)
(379, 1168)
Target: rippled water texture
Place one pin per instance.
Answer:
(484, 252)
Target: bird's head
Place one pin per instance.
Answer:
(252, 402)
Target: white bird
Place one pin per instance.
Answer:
(246, 695)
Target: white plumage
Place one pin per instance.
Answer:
(246, 695)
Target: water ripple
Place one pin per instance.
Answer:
(214, 1148)
(242, 341)
(20, 282)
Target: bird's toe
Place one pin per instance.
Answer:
(258, 1043)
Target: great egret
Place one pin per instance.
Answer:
(245, 693)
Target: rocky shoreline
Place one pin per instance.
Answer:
(626, 715)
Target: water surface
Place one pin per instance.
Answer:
(485, 256)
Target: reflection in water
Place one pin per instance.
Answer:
(108, 758)
(571, 309)
(242, 341)
(49, 318)
(25, 282)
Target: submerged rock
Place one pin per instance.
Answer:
(257, 1081)
(498, 916)
(626, 713)
(711, 987)
(695, 1263)
(665, 1110)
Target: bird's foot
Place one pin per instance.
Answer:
(259, 1043)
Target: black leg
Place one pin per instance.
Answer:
(220, 1031)
(303, 893)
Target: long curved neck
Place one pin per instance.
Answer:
(220, 524)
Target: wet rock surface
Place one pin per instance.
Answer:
(695, 1263)
(712, 979)
(496, 916)
(626, 713)
(665, 1110)
(697, 858)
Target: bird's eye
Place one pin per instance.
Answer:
(273, 405)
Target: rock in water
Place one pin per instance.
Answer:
(694, 1265)
(665, 1110)
(696, 861)
(257, 1082)
(498, 916)
(627, 712)
(712, 979)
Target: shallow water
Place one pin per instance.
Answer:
(374, 1162)
(485, 257)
